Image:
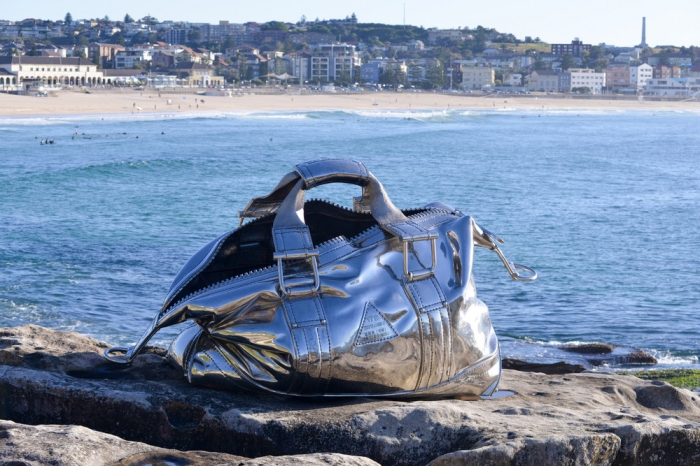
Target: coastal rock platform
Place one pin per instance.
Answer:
(56, 385)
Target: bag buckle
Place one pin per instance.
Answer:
(423, 273)
(286, 290)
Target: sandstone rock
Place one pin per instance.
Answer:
(554, 368)
(49, 377)
(79, 446)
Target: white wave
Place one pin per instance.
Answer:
(403, 114)
(270, 115)
(667, 359)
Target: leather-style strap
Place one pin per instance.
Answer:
(314, 173)
(319, 172)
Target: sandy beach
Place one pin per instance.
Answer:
(127, 101)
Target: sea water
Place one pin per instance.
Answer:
(605, 205)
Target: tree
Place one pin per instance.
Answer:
(195, 35)
(118, 38)
(139, 38)
(567, 61)
(106, 19)
(68, 19)
(150, 20)
(435, 75)
(128, 18)
(229, 43)
(96, 58)
(274, 26)
(33, 52)
(539, 65)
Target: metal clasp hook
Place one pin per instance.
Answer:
(486, 239)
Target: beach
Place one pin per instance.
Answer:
(128, 101)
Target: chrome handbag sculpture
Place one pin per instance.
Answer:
(313, 299)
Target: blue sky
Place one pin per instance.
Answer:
(616, 22)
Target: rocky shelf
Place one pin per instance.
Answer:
(63, 404)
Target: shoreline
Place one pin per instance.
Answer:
(150, 103)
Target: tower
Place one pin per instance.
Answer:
(644, 33)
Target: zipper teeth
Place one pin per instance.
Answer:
(211, 259)
(269, 268)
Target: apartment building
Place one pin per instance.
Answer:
(575, 48)
(584, 77)
(664, 72)
(107, 52)
(219, 32)
(639, 75)
(444, 34)
(477, 77)
(617, 78)
(330, 62)
(131, 58)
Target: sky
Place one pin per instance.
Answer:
(615, 22)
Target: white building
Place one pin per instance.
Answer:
(639, 75)
(584, 77)
(477, 77)
(129, 58)
(330, 62)
(513, 79)
(674, 87)
(50, 71)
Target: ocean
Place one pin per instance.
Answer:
(605, 205)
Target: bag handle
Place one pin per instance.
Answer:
(314, 173)
(292, 238)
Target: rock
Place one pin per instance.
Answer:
(79, 446)
(598, 449)
(554, 368)
(588, 355)
(589, 348)
(50, 377)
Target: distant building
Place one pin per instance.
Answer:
(639, 75)
(575, 48)
(219, 32)
(131, 58)
(617, 78)
(371, 71)
(298, 65)
(107, 52)
(673, 60)
(543, 81)
(177, 36)
(694, 72)
(50, 71)
(583, 77)
(513, 79)
(663, 72)
(330, 62)
(477, 77)
(436, 35)
(674, 87)
(197, 75)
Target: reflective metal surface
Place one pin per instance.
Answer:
(313, 299)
